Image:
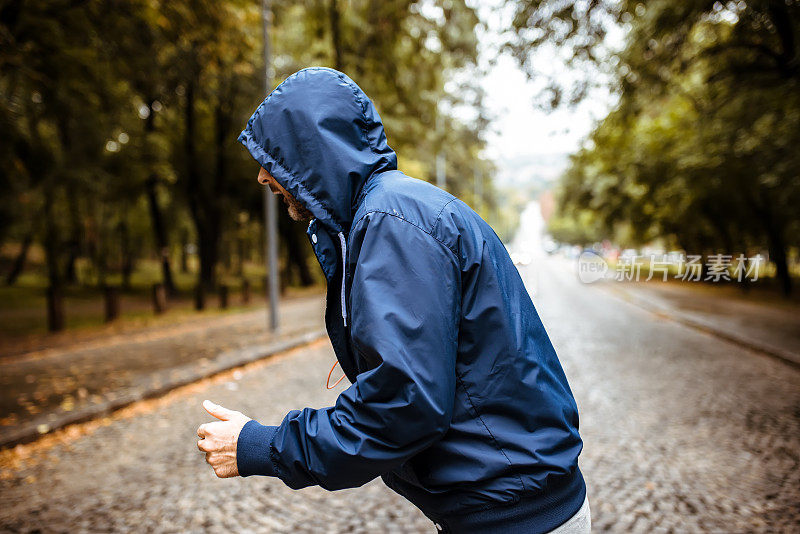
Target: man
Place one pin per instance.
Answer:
(458, 401)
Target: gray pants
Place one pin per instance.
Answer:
(580, 523)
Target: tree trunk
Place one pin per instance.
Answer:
(55, 301)
(51, 240)
(159, 233)
(223, 296)
(55, 309)
(111, 300)
(101, 260)
(159, 295)
(245, 292)
(205, 208)
(216, 201)
(184, 251)
(19, 261)
(68, 274)
(199, 297)
(336, 38)
(208, 248)
(156, 217)
(777, 254)
(240, 253)
(126, 252)
(781, 19)
(74, 244)
(191, 181)
(775, 240)
(227, 254)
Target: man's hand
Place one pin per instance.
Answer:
(218, 439)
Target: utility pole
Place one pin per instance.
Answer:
(478, 189)
(270, 203)
(440, 159)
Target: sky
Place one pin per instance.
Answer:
(527, 143)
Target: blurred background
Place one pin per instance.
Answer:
(635, 134)
(120, 161)
(673, 126)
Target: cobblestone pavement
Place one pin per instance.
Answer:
(683, 433)
(42, 386)
(145, 474)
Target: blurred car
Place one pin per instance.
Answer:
(521, 258)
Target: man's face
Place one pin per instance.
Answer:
(296, 210)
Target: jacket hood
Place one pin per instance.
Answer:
(321, 138)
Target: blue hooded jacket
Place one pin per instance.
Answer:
(457, 399)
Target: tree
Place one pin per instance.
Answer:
(699, 148)
(120, 120)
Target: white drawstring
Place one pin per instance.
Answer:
(343, 242)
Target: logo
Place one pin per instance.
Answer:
(591, 267)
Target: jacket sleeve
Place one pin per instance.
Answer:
(405, 307)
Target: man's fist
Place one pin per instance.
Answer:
(218, 439)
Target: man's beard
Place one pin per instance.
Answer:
(296, 210)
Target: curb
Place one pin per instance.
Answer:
(784, 356)
(170, 379)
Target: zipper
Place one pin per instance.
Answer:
(343, 243)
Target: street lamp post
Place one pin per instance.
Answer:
(270, 204)
(440, 157)
(478, 188)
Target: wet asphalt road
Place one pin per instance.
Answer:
(683, 432)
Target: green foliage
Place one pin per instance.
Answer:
(416, 61)
(120, 120)
(701, 150)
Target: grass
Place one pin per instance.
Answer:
(23, 306)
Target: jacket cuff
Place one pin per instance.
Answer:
(254, 450)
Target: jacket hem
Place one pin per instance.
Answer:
(530, 513)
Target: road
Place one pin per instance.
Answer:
(47, 387)
(683, 432)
